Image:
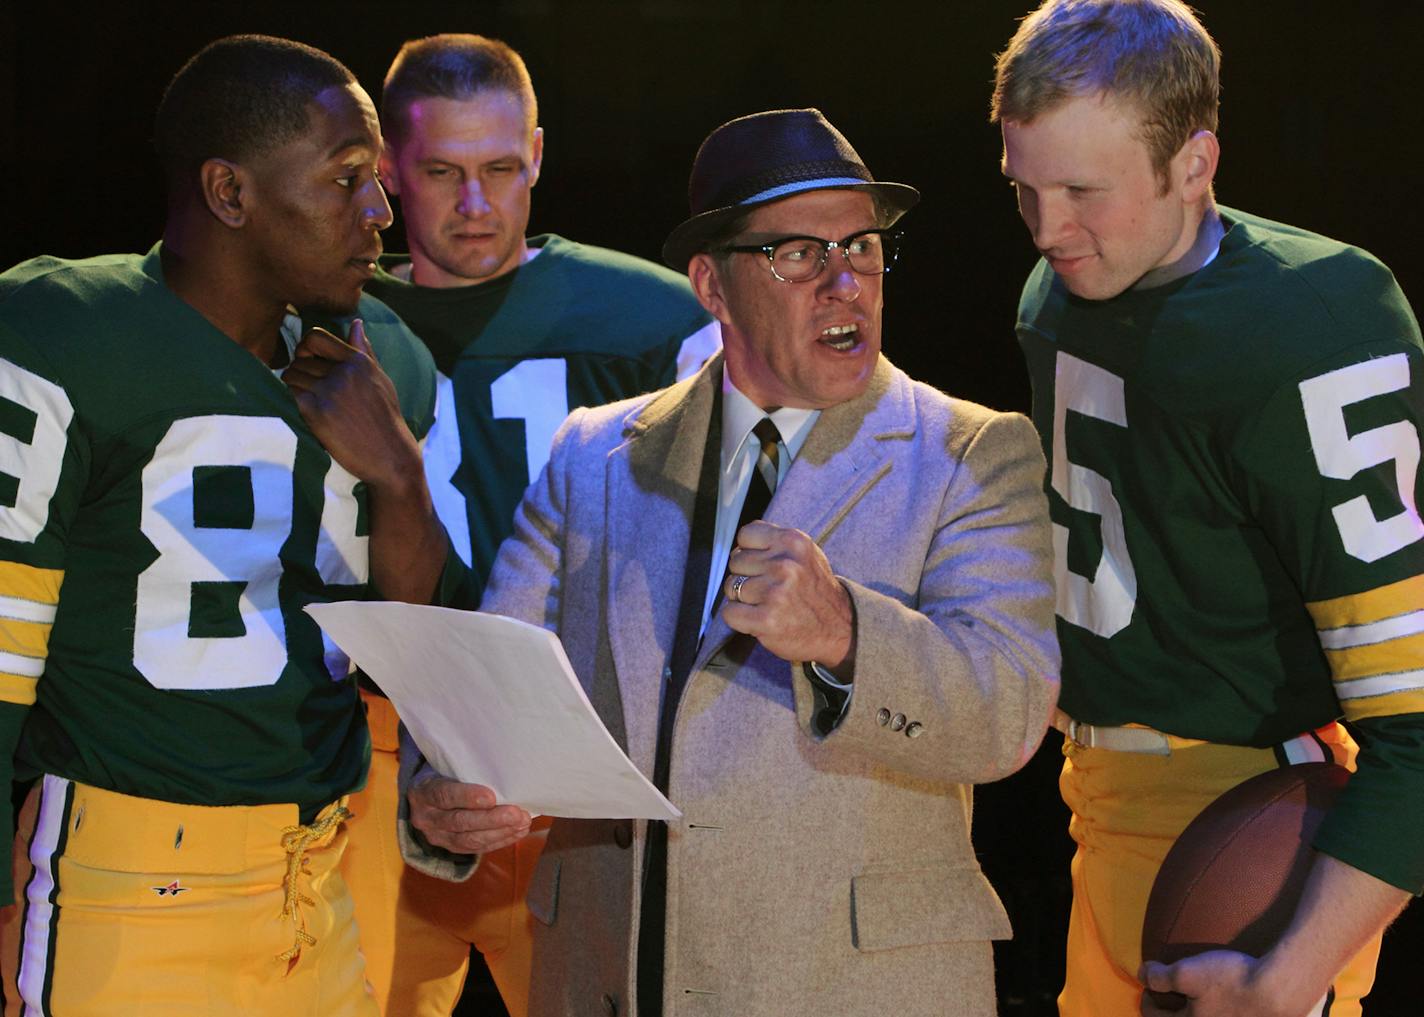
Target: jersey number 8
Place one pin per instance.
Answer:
(242, 556)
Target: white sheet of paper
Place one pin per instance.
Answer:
(493, 701)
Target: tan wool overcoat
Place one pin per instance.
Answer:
(811, 875)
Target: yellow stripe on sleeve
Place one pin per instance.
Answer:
(17, 689)
(25, 582)
(1409, 701)
(1387, 657)
(1372, 605)
(28, 597)
(26, 638)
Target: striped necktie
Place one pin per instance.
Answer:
(763, 484)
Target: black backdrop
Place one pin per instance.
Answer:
(1321, 119)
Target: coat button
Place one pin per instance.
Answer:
(623, 833)
(667, 674)
(610, 1005)
(883, 716)
(897, 722)
(914, 729)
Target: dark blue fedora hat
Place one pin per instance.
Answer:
(761, 158)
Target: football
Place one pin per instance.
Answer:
(1233, 878)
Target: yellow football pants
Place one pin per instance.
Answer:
(1128, 809)
(416, 931)
(135, 906)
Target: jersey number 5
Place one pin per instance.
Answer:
(1342, 455)
(1104, 603)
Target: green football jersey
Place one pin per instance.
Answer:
(165, 515)
(575, 326)
(1234, 487)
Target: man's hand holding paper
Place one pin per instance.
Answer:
(464, 818)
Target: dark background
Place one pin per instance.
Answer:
(1321, 119)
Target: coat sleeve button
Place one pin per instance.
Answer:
(897, 722)
(610, 1005)
(883, 716)
(914, 729)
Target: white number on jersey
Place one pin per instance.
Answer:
(35, 464)
(165, 651)
(535, 391)
(1341, 456)
(342, 558)
(1104, 603)
(442, 460)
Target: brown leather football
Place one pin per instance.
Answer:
(1235, 875)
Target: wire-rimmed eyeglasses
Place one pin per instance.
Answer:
(801, 259)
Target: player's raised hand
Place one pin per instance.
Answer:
(351, 406)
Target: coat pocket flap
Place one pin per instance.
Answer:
(939, 904)
(543, 896)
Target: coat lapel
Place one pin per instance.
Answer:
(651, 485)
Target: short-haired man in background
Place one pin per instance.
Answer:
(523, 331)
(171, 507)
(1232, 409)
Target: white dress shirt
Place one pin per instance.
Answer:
(740, 449)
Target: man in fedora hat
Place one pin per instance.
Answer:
(810, 597)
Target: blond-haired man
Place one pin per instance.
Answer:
(1231, 409)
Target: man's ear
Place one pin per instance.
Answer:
(536, 156)
(705, 275)
(1197, 164)
(226, 191)
(386, 167)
